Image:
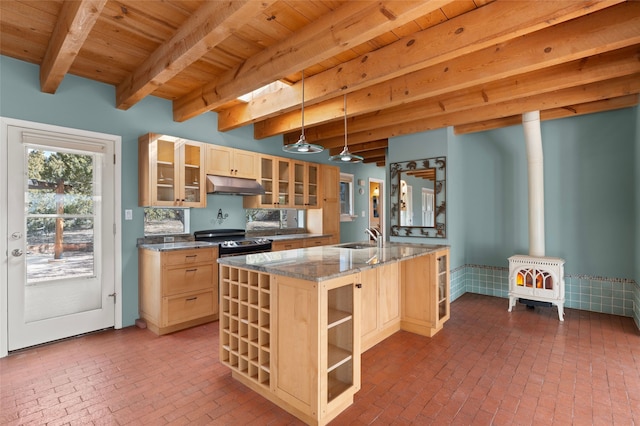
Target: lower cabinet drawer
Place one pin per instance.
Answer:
(191, 278)
(287, 245)
(314, 242)
(185, 308)
(185, 257)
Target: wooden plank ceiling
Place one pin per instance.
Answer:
(405, 66)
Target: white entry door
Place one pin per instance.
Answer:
(60, 235)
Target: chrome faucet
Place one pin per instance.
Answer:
(375, 234)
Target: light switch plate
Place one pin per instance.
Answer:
(128, 214)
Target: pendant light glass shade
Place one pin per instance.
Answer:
(345, 156)
(302, 146)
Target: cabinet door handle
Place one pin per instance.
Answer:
(359, 285)
(192, 255)
(192, 270)
(189, 299)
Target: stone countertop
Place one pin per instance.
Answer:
(180, 245)
(183, 245)
(286, 237)
(327, 262)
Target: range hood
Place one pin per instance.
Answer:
(233, 185)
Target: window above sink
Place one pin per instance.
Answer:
(275, 219)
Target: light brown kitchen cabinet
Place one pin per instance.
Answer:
(425, 308)
(317, 331)
(288, 244)
(178, 288)
(225, 161)
(298, 340)
(171, 172)
(306, 185)
(296, 243)
(317, 241)
(276, 179)
(380, 304)
(245, 325)
(295, 342)
(326, 219)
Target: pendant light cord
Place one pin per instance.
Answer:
(302, 109)
(345, 121)
(302, 146)
(345, 156)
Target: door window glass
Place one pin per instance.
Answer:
(60, 210)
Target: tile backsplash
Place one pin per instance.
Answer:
(617, 296)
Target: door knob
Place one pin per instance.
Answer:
(16, 252)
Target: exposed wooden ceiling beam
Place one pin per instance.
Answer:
(430, 81)
(362, 147)
(609, 29)
(72, 29)
(351, 24)
(620, 62)
(617, 87)
(591, 107)
(208, 26)
(378, 160)
(381, 152)
(552, 114)
(481, 28)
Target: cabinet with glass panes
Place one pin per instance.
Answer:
(305, 185)
(171, 172)
(276, 179)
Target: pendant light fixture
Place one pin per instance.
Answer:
(345, 156)
(302, 146)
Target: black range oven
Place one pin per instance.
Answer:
(233, 242)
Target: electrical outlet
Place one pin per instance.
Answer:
(168, 239)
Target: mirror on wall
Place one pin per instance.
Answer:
(418, 198)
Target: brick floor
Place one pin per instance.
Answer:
(486, 367)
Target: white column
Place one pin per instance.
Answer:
(533, 140)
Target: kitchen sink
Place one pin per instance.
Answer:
(360, 245)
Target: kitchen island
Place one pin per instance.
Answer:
(294, 323)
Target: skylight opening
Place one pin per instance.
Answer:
(264, 90)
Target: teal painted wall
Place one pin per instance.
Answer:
(83, 104)
(589, 194)
(494, 195)
(354, 230)
(637, 196)
(637, 215)
(591, 185)
(436, 143)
